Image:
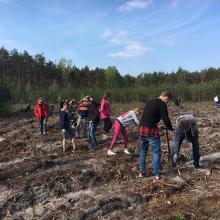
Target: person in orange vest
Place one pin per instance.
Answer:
(42, 114)
(83, 112)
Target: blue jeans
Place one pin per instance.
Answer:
(91, 133)
(43, 125)
(179, 136)
(156, 150)
(81, 123)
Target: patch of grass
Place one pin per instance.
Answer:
(19, 107)
(180, 216)
(5, 110)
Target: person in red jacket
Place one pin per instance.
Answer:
(42, 114)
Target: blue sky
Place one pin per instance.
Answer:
(134, 35)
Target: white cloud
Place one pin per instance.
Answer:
(114, 37)
(174, 4)
(119, 37)
(107, 33)
(169, 41)
(8, 2)
(135, 4)
(5, 1)
(9, 44)
(132, 49)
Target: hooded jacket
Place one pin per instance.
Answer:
(41, 110)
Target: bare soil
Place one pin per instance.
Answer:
(39, 181)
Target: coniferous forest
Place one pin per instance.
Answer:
(24, 77)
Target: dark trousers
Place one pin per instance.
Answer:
(178, 140)
(107, 125)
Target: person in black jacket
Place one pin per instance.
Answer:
(153, 111)
(65, 125)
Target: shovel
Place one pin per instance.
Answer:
(169, 153)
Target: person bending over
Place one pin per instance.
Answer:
(186, 128)
(120, 128)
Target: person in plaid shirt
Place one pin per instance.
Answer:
(154, 110)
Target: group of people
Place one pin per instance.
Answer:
(77, 115)
(185, 128)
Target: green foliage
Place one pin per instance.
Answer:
(5, 95)
(113, 77)
(5, 109)
(180, 217)
(28, 77)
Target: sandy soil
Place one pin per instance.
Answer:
(39, 181)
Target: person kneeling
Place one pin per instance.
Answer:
(65, 125)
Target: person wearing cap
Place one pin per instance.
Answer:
(186, 128)
(153, 111)
(42, 114)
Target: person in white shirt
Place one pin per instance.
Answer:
(216, 99)
(120, 128)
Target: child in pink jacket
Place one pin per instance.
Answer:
(105, 113)
(120, 128)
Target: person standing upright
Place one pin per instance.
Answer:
(42, 114)
(94, 119)
(83, 112)
(153, 111)
(66, 128)
(105, 112)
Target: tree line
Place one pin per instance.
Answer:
(24, 77)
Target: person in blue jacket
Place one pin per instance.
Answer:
(66, 128)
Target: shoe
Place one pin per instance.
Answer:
(104, 137)
(74, 149)
(198, 165)
(126, 151)
(141, 175)
(110, 152)
(96, 147)
(175, 158)
(156, 179)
